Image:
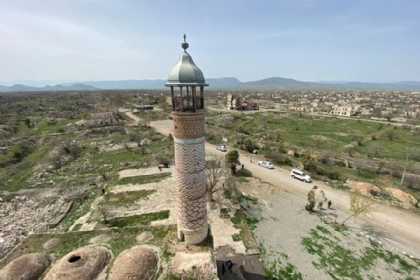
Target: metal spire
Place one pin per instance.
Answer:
(185, 45)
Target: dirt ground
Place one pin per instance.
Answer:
(140, 172)
(284, 225)
(162, 199)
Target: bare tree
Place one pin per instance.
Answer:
(101, 213)
(405, 167)
(359, 206)
(230, 188)
(146, 119)
(214, 172)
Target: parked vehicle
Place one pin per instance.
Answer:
(300, 175)
(267, 164)
(221, 148)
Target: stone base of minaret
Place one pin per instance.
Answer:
(194, 236)
(191, 190)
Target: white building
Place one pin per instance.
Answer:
(345, 111)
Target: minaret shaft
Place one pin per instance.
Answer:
(187, 83)
(190, 176)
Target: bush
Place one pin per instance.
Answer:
(232, 157)
(135, 137)
(73, 149)
(391, 135)
(243, 172)
(415, 156)
(278, 158)
(247, 144)
(314, 167)
(22, 150)
(213, 138)
(310, 166)
(163, 159)
(331, 174)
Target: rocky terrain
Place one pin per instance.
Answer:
(27, 213)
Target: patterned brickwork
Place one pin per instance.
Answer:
(190, 176)
(196, 236)
(192, 186)
(188, 125)
(192, 214)
(190, 158)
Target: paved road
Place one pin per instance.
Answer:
(398, 224)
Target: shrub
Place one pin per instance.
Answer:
(213, 138)
(247, 144)
(163, 159)
(391, 135)
(314, 167)
(135, 137)
(310, 166)
(232, 157)
(331, 174)
(278, 158)
(73, 149)
(415, 155)
(22, 150)
(243, 172)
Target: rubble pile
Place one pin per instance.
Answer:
(24, 214)
(103, 119)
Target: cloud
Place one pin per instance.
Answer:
(61, 46)
(56, 36)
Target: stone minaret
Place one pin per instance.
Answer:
(187, 83)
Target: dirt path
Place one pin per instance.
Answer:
(84, 221)
(397, 225)
(133, 117)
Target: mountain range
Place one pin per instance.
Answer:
(230, 83)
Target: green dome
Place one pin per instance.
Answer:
(185, 72)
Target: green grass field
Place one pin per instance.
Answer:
(19, 165)
(318, 140)
(327, 134)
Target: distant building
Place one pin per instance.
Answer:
(103, 119)
(240, 104)
(144, 107)
(3, 150)
(399, 119)
(345, 111)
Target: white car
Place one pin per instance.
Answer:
(300, 175)
(265, 163)
(221, 148)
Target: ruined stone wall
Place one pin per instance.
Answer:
(190, 176)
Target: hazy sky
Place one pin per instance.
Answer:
(366, 40)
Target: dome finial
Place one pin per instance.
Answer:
(185, 45)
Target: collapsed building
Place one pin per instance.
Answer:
(238, 103)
